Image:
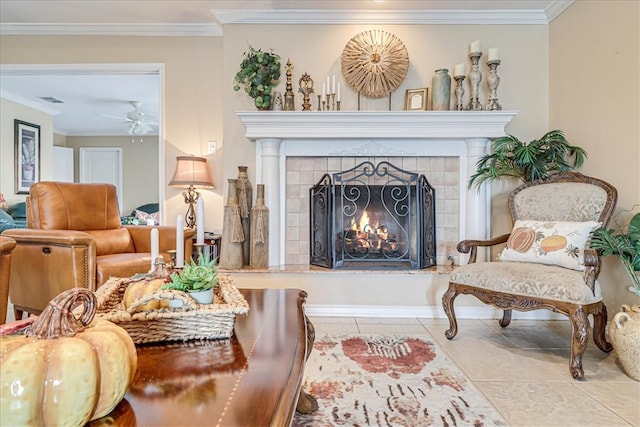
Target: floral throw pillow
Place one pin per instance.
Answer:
(549, 242)
(143, 217)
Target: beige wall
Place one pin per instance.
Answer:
(11, 111)
(595, 98)
(140, 163)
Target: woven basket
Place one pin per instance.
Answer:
(190, 322)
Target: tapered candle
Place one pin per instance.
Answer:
(200, 222)
(328, 84)
(338, 94)
(474, 46)
(180, 242)
(155, 246)
(493, 54)
(333, 84)
(324, 89)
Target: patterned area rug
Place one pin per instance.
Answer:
(390, 380)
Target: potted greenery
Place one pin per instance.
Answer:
(259, 74)
(528, 161)
(198, 280)
(624, 243)
(624, 328)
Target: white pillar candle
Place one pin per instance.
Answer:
(459, 70)
(474, 46)
(333, 84)
(200, 222)
(338, 94)
(155, 246)
(493, 54)
(180, 242)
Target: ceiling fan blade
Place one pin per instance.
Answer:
(115, 117)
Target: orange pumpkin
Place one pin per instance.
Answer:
(139, 287)
(68, 369)
(553, 243)
(521, 239)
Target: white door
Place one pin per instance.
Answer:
(102, 165)
(62, 164)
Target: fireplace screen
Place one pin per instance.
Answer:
(373, 217)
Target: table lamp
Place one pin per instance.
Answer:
(190, 172)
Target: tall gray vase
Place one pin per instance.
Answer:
(441, 90)
(232, 232)
(259, 231)
(245, 193)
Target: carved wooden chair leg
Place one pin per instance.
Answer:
(506, 318)
(447, 305)
(599, 325)
(579, 340)
(307, 403)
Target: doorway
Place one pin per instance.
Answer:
(86, 71)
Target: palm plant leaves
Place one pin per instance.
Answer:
(536, 159)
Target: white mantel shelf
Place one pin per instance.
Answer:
(281, 134)
(375, 124)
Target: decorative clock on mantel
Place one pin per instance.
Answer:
(375, 63)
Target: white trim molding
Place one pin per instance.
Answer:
(106, 29)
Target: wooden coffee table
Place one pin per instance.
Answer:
(253, 379)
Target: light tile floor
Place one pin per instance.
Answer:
(523, 370)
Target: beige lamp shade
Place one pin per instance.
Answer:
(191, 171)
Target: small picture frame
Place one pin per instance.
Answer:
(26, 155)
(416, 99)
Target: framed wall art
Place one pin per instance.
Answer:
(27, 155)
(416, 99)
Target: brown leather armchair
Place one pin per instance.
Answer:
(6, 246)
(74, 238)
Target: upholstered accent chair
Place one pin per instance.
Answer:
(74, 238)
(6, 246)
(546, 263)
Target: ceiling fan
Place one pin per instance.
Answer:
(138, 123)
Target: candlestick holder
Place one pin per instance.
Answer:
(172, 255)
(289, 96)
(459, 93)
(337, 105)
(328, 101)
(493, 80)
(333, 101)
(198, 251)
(320, 106)
(306, 88)
(475, 77)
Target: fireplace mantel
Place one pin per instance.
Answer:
(375, 124)
(279, 134)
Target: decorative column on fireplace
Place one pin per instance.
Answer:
(373, 216)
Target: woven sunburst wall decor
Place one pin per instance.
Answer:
(375, 63)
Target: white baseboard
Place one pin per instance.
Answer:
(429, 312)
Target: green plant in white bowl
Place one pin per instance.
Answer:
(195, 277)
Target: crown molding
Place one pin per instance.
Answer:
(208, 30)
(18, 99)
(475, 17)
(556, 8)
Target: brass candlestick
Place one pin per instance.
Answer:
(289, 96)
(306, 88)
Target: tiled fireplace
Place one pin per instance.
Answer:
(294, 149)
